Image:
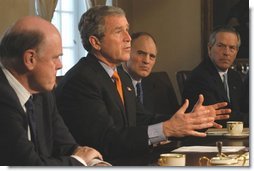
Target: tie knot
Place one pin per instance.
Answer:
(29, 103)
(138, 85)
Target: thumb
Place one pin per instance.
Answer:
(184, 106)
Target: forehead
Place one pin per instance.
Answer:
(226, 37)
(115, 21)
(144, 42)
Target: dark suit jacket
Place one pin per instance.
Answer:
(55, 143)
(92, 109)
(159, 95)
(206, 80)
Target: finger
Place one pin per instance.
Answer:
(184, 107)
(197, 134)
(219, 105)
(223, 111)
(199, 102)
(217, 125)
(100, 156)
(199, 114)
(222, 117)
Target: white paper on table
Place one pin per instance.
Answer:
(202, 149)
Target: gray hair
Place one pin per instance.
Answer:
(92, 23)
(229, 29)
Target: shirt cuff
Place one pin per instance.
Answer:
(97, 161)
(79, 159)
(155, 134)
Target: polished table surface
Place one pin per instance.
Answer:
(192, 158)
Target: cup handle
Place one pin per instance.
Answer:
(160, 161)
(204, 158)
(244, 159)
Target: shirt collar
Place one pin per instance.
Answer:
(108, 69)
(134, 82)
(221, 73)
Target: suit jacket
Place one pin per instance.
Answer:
(159, 95)
(206, 80)
(92, 109)
(55, 143)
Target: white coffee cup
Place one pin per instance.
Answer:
(235, 127)
(172, 159)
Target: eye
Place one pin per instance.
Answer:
(141, 53)
(233, 48)
(152, 57)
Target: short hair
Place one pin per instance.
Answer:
(229, 29)
(15, 43)
(92, 23)
(136, 35)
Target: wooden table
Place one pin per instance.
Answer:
(192, 159)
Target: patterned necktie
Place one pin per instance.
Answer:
(225, 83)
(118, 83)
(139, 92)
(31, 119)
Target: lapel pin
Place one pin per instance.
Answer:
(129, 89)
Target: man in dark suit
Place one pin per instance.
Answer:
(154, 90)
(32, 132)
(214, 78)
(98, 103)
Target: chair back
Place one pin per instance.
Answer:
(159, 94)
(181, 77)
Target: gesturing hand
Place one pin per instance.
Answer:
(220, 114)
(185, 124)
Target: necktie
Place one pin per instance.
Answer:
(118, 85)
(31, 118)
(139, 92)
(225, 83)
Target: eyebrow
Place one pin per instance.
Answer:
(150, 54)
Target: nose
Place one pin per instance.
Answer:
(226, 50)
(127, 36)
(146, 59)
(59, 64)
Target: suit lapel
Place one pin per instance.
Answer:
(232, 87)
(129, 96)
(12, 96)
(149, 87)
(217, 80)
(107, 82)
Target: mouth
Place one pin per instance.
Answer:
(144, 68)
(225, 61)
(127, 48)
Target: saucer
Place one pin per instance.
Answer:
(223, 161)
(236, 135)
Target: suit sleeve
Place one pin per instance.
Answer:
(86, 113)
(17, 150)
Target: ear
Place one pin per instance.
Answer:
(95, 42)
(209, 49)
(29, 59)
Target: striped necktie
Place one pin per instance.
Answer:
(139, 92)
(225, 83)
(31, 119)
